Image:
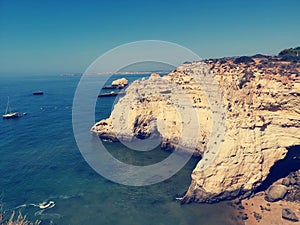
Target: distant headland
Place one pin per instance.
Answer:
(116, 73)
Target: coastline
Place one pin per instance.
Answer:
(260, 97)
(116, 73)
(259, 211)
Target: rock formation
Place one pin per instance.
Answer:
(120, 82)
(262, 118)
(276, 192)
(288, 214)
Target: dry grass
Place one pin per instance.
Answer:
(20, 220)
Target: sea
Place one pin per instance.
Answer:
(40, 162)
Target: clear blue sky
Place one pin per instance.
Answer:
(54, 37)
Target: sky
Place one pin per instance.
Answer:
(55, 37)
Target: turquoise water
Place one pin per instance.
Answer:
(39, 161)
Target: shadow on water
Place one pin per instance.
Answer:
(282, 168)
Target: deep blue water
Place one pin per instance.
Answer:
(39, 161)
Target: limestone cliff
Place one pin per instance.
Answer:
(262, 118)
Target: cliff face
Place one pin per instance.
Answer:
(262, 118)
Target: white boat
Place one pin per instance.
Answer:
(46, 205)
(9, 114)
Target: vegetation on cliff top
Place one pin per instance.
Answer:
(290, 54)
(243, 59)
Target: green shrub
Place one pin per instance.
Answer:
(243, 59)
(290, 54)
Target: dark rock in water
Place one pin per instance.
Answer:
(276, 192)
(288, 214)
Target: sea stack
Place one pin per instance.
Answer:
(120, 82)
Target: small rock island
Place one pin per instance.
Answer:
(119, 83)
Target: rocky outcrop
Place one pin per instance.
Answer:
(120, 82)
(261, 119)
(276, 192)
(292, 182)
(288, 214)
(161, 106)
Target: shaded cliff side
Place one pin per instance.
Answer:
(260, 96)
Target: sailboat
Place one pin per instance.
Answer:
(9, 114)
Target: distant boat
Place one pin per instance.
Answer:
(9, 114)
(112, 93)
(114, 87)
(38, 93)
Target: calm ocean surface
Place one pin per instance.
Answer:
(39, 161)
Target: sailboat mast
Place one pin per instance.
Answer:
(7, 106)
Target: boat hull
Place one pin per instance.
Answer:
(38, 93)
(11, 115)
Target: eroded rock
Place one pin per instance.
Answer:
(120, 82)
(288, 214)
(276, 192)
(262, 119)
